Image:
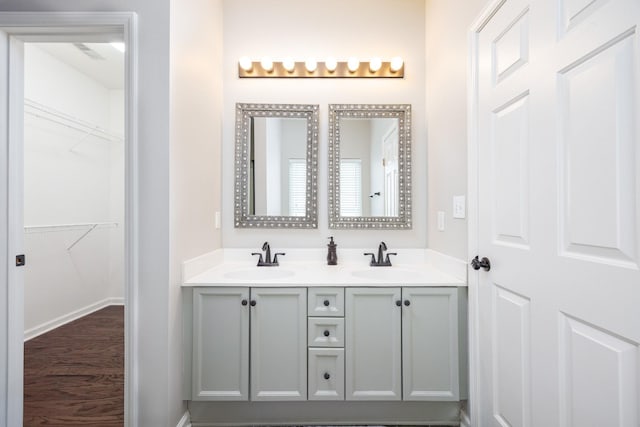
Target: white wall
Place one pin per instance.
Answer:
(447, 23)
(69, 187)
(281, 28)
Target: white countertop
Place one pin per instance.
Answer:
(303, 268)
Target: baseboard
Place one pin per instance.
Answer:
(465, 421)
(185, 421)
(70, 317)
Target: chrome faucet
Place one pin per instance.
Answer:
(382, 261)
(267, 262)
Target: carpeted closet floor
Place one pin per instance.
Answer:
(74, 375)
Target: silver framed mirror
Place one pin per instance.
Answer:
(276, 166)
(370, 166)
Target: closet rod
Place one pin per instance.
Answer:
(60, 227)
(53, 115)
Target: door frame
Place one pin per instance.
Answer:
(473, 225)
(16, 28)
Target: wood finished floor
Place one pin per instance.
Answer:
(74, 375)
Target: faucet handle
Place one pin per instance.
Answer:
(259, 259)
(387, 260)
(373, 258)
(275, 258)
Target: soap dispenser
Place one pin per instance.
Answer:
(332, 255)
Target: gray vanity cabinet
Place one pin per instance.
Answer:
(405, 343)
(430, 344)
(373, 343)
(278, 344)
(220, 364)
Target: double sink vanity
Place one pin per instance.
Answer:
(306, 333)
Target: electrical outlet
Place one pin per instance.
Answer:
(440, 220)
(459, 209)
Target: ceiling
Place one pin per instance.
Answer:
(100, 61)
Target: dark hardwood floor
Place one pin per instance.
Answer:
(74, 375)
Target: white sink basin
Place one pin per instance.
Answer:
(259, 273)
(388, 274)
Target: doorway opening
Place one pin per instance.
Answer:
(17, 30)
(73, 142)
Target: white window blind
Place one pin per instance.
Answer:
(297, 187)
(350, 187)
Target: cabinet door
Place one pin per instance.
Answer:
(430, 344)
(220, 344)
(372, 344)
(326, 374)
(278, 344)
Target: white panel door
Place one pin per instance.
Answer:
(220, 344)
(430, 344)
(278, 344)
(373, 343)
(558, 150)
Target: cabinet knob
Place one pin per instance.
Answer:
(398, 303)
(253, 303)
(326, 376)
(245, 302)
(326, 333)
(326, 303)
(407, 302)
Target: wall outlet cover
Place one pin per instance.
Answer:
(459, 208)
(440, 220)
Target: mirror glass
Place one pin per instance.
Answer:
(276, 166)
(370, 166)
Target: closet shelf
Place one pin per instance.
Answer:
(90, 226)
(44, 112)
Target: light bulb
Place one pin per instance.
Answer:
(375, 64)
(331, 64)
(267, 64)
(311, 64)
(245, 63)
(353, 64)
(289, 64)
(396, 64)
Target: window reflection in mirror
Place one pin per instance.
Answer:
(368, 167)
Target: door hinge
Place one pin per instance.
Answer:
(20, 260)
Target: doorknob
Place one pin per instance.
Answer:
(483, 263)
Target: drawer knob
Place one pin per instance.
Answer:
(407, 302)
(326, 333)
(245, 302)
(398, 303)
(326, 376)
(326, 303)
(253, 303)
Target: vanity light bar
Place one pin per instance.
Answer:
(310, 68)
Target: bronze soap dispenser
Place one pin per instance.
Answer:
(332, 255)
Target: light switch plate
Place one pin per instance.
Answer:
(440, 220)
(459, 208)
(217, 220)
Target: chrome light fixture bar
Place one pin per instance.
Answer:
(310, 68)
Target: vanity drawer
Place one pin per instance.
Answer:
(326, 332)
(326, 302)
(326, 374)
